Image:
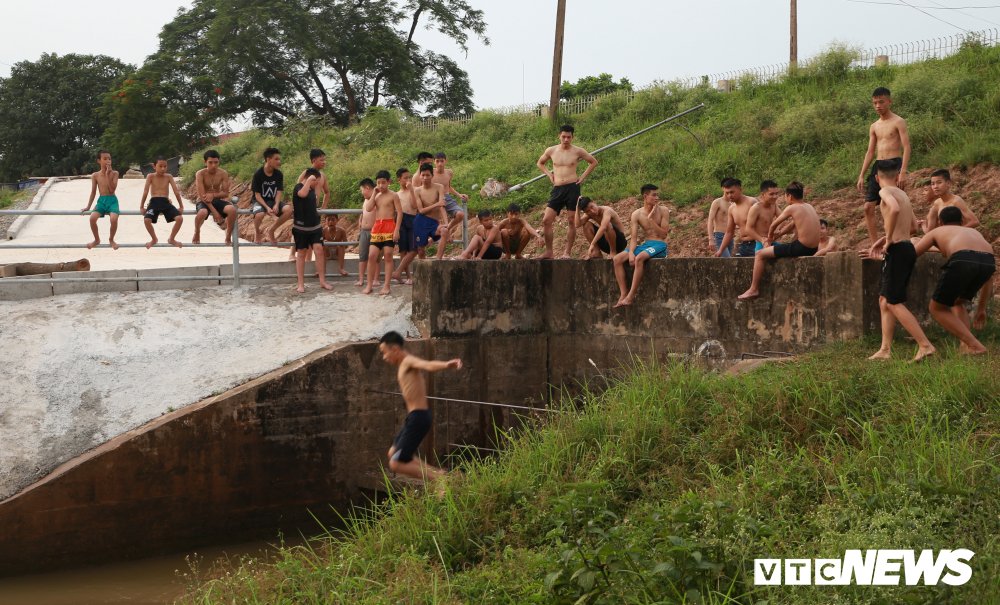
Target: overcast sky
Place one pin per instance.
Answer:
(643, 40)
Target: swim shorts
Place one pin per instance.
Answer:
(382, 233)
(746, 249)
(897, 265)
(106, 204)
(564, 196)
(515, 242)
(451, 206)
(364, 240)
(621, 242)
(963, 275)
(872, 187)
(760, 246)
(219, 206)
(718, 236)
(493, 253)
(307, 238)
(794, 250)
(161, 205)
(653, 248)
(418, 423)
(424, 230)
(406, 242)
(257, 208)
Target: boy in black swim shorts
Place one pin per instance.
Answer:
(565, 186)
(402, 454)
(159, 184)
(601, 225)
(889, 141)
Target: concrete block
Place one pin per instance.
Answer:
(149, 286)
(14, 291)
(89, 287)
(278, 268)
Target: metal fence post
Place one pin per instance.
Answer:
(236, 248)
(465, 225)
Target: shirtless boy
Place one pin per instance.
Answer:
(513, 230)
(970, 266)
(159, 185)
(385, 232)
(431, 222)
(565, 186)
(898, 259)
(806, 225)
(267, 186)
(307, 229)
(104, 180)
(318, 159)
(213, 198)
(718, 220)
(483, 245)
(365, 233)
(407, 240)
(739, 209)
(333, 232)
(602, 227)
(761, 215)
(655, 222)
(402, 454)
(827, 243)
(944, 198)
(889, 137)
(443, 176)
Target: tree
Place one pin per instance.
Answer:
(593, 85)
(49, 119)
(331, 58)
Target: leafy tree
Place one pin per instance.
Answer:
(49, 118)
(332, 58)
(593, 85)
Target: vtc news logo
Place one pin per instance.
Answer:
(875, 568)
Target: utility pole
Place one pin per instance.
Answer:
(793, 55)
(557, 60)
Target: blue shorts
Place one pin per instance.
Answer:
(406, 243)
(425, 230)
(653, 249)
(718, 236)
(759, 247)
(106, 204)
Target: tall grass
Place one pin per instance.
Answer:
(795, 460)
(810, 126)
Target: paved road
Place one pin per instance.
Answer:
(73, 195)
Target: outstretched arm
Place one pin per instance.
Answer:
(433, 366)
(925, 243)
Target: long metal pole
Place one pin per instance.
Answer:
(618, 142)
(465, 225)
(499, 405)
(161, 245)
(557, 57)
(236, 253)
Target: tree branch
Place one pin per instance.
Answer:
(352, 104)
(322, 89)
(413, 27)
(378, 80)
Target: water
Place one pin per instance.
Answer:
(151, 581)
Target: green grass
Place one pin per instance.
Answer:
(795, 460)
(811, 126)
(9, 198)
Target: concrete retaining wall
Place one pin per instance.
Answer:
(14, 292)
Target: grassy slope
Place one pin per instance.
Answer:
(802, 459)
(811, 127)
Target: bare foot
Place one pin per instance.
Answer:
(358, 283)
(408, 282)
(114, 246)
(343, 272)
(384, 290)
(197, 238)
(749, 294)
(545, 256)
(519, 257)
(367, 290)
(325, 286)
(399, 278)
(974, 351)
(257, 238)
(376, 283)
(301, 290)
(151, 243)
(229, 240)
(963, 349)
(924, 353)
(565, 256)
(174, 242)
(93, 243)
(625, 302)
(880, 354)
(270, 237)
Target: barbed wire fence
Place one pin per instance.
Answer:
(893, 54)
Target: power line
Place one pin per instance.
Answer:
(938, 8)
(967, 14)
(933, 17)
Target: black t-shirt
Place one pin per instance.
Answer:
(304, 208)
(267, 186)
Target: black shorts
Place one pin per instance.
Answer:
(257, 208)
(161, 205)
(305, 239)
(493, 253)
(621, 243)
(792, 250)
(749, 249)
(872, 189)
(219, 206)
(564, 196)
(407, 242)
(897, 265)
(418, 424)
(963, 275)
(386, 243)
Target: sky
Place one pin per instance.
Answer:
(643, 40)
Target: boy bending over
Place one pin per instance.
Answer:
(602, 227)
(483, 244)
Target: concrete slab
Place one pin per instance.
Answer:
(152, 286)
(280, 268)
(93, 287)
(14, 292)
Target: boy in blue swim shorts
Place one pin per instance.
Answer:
(104, 180)
(655, 222)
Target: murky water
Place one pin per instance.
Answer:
(144, 582)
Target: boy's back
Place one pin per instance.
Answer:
(806, 224)
(905, 220)
(953, 238)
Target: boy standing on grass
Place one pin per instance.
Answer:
(889, 137)
(402, 454)
(806, 225)
(483, 244)
(385, 232)
(443, 176)
(655, 222)
(431, 221)
(827, 243)
(106, 181)
(267, 187)
(971, 265)
(307, 230)
(365, 233)
(602, 227)
(718, 221)
(513, 230)
(333, 232)
(213, 198)
(761, 215)
(898, 259)
(318, 159)
(159, 184)
(739, 210)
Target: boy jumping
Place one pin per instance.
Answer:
(105, 180)
(159, 184)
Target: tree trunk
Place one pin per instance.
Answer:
(22, 269)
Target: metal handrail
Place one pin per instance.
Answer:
(161, 245)
(71, 280)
